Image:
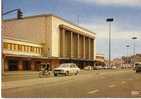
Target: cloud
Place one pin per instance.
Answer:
(120, 2)
(120, 38)
(102, 31)
(114, 2)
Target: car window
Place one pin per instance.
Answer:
(71, 66)
(64, 65)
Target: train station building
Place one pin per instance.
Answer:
(33, 40)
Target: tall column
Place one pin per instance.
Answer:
(6, 64)
(89, 48)
(94, 49)
(63, 51)
(32, 65)
(72, 45)
(78, 56)
(84, 56)
(20, 65)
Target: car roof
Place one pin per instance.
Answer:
(68, 63)
(138, 63)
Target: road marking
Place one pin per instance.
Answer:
(111, 86)
(93, 91)
(123, 82)
(135, 93)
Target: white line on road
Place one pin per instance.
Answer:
(93, 91)
(135, 93)
(111, 86)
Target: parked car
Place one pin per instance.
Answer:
(114, 67)
(138, 67)
(105, 67)
(88, 68)
(66, 69)
(98, 67)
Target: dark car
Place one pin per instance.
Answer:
(138, 67)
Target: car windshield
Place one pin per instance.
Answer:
(64, 65)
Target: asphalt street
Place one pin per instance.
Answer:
(88, 84)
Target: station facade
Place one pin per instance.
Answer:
(33, 40)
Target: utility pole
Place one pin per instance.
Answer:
(78, 19)
(110, 20)
(134, 50)
(127, 46)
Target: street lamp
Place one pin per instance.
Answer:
(110, 20)
(19, 13)
(127, 46)
(134, 53)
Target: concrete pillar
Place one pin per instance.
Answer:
(6, 64)
(78, 56)
(32, 65)
(72, 45)
(89, 48)
(94, 49)
(2, 65)
(84, 56)
(63, 43)
(20, 65)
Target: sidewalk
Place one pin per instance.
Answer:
(23, 75)
(19, 75)
(34, 81)
(14, 79)
(29, 82)
(29, 78)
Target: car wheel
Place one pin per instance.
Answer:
(76, 72)
(67, 73)
(137, 71)
(55, 74)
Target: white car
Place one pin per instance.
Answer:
(98, 67)
(66, 69)
(114, 67)
(88, 68)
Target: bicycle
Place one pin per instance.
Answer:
(44, 74)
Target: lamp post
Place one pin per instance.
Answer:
(127, 46)
(19, 13)
(110, 20)
(134, 50)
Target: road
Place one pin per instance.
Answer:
(89, 84)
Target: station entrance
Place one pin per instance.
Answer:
(12, 65)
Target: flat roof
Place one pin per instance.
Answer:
(21, 40)
(47, 15)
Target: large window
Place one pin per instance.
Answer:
(5, 45)
(22, 48)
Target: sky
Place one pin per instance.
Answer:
(92, 14)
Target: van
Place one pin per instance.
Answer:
(138, 67)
